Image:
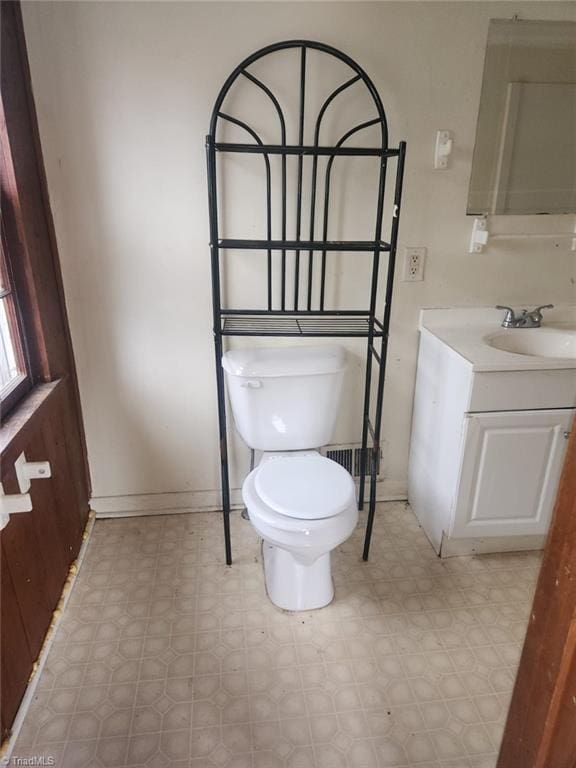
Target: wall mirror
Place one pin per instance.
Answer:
(525, 152)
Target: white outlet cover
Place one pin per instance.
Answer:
(414, 260)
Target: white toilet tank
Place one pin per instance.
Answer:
(285, 398)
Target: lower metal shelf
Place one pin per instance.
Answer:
(291, 325)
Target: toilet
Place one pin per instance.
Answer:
(285, 402)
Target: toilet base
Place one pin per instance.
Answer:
(294, 585)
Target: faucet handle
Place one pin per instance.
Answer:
(510, 318)
(510, 315)
(544, 306)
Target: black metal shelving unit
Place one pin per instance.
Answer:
(307, 315)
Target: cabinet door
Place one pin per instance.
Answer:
(510, 471)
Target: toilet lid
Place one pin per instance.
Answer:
(305, 487)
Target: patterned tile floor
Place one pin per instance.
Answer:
(166, 658)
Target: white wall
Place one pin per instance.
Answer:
(123, 93)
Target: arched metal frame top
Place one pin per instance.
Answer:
(302, 45)
(300, 150)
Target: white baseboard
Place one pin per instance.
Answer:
(201, 501)
(161, 503)
(490, 545)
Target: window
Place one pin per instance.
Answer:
(15, 378)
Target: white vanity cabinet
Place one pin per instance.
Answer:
(487, 450)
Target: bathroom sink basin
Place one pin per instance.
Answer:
(536, 342)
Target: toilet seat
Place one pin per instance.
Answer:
(322, 534)
(304, 487)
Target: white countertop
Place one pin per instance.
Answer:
(465, 331)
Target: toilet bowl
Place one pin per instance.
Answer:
(303, 506)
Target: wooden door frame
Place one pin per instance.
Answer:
(26, 209)
(541, 727)
(28, 223)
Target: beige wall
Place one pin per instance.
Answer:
(123, 93)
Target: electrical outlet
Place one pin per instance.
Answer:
(414, 259)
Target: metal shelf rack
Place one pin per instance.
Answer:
(307, 315)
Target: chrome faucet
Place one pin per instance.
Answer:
(525, 319)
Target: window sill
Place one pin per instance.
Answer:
(23, 418)
(12, 393)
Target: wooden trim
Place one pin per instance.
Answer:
(30, 229)
(26, 208)
(21, 261)
(541, 727)
(17, 388)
